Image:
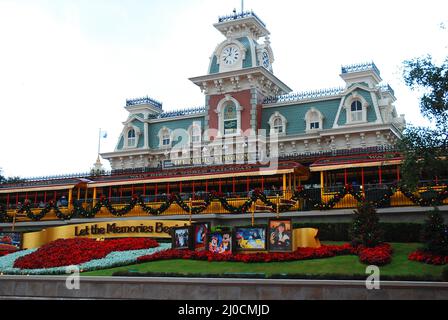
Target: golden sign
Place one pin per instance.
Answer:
(103, 230)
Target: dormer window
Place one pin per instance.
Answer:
(278, 126)
(166, 140)
(195, 133)
(131, 138)
(356, 111)
(356, 108)
(314, 120)
(165, 137)
(278, 122)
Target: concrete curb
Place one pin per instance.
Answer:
(52, 287)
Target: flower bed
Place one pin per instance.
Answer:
(114, 259)
(380, 255)
(69, 252)
(427, 257)
(6, 249)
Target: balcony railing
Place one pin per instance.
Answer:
(360, 67)
(305, 199)
(241, 15)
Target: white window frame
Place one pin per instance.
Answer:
(275, 117)
(310, 121)
(220, 111)
(195, 133)
(163, 134)
(361, 116)
(125, 134)
(131, 140)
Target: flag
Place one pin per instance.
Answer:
(103, 134)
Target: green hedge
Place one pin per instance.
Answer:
(393, 232)
(339, 231)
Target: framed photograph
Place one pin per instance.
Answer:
(10, 241)
(200, 231)
(181, 238)
(280, 235)
(250, 238)
(220, 242)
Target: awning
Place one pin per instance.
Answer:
(353, 162)
(258, 173)
(43, 188)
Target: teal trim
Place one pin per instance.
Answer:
(154, 129)
(214, 68)
(247, 63)
(120, 144)
(342, 117)
(371, 114)
(141, 126)
(295, 114)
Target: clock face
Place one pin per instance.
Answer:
(230, 55)
(266, 60)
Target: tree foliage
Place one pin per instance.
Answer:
(435, 234)
(424, 74)
(2, 178)
(366, 229)
(425, 148)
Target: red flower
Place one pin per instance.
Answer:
(64, 252)
(380, 255)
(427, 257)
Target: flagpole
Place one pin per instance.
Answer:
(99, 142)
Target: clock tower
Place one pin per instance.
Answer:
(240, 76)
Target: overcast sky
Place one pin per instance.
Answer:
(68, 66)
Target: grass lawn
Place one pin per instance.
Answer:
(341, 265)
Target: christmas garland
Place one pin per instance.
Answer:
(418, 200)
(80, 211)
(301, 193)
(4, 215)
(385, 198)
(123, 211)
(26, 208)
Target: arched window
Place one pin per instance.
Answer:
(277, 122)
(356, 111)
(166, 139)
(230, 118)
(278, 126)
(314, 120)
(131, 138)
(195, 134)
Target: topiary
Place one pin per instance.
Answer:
(365, 229)
(435, 234)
